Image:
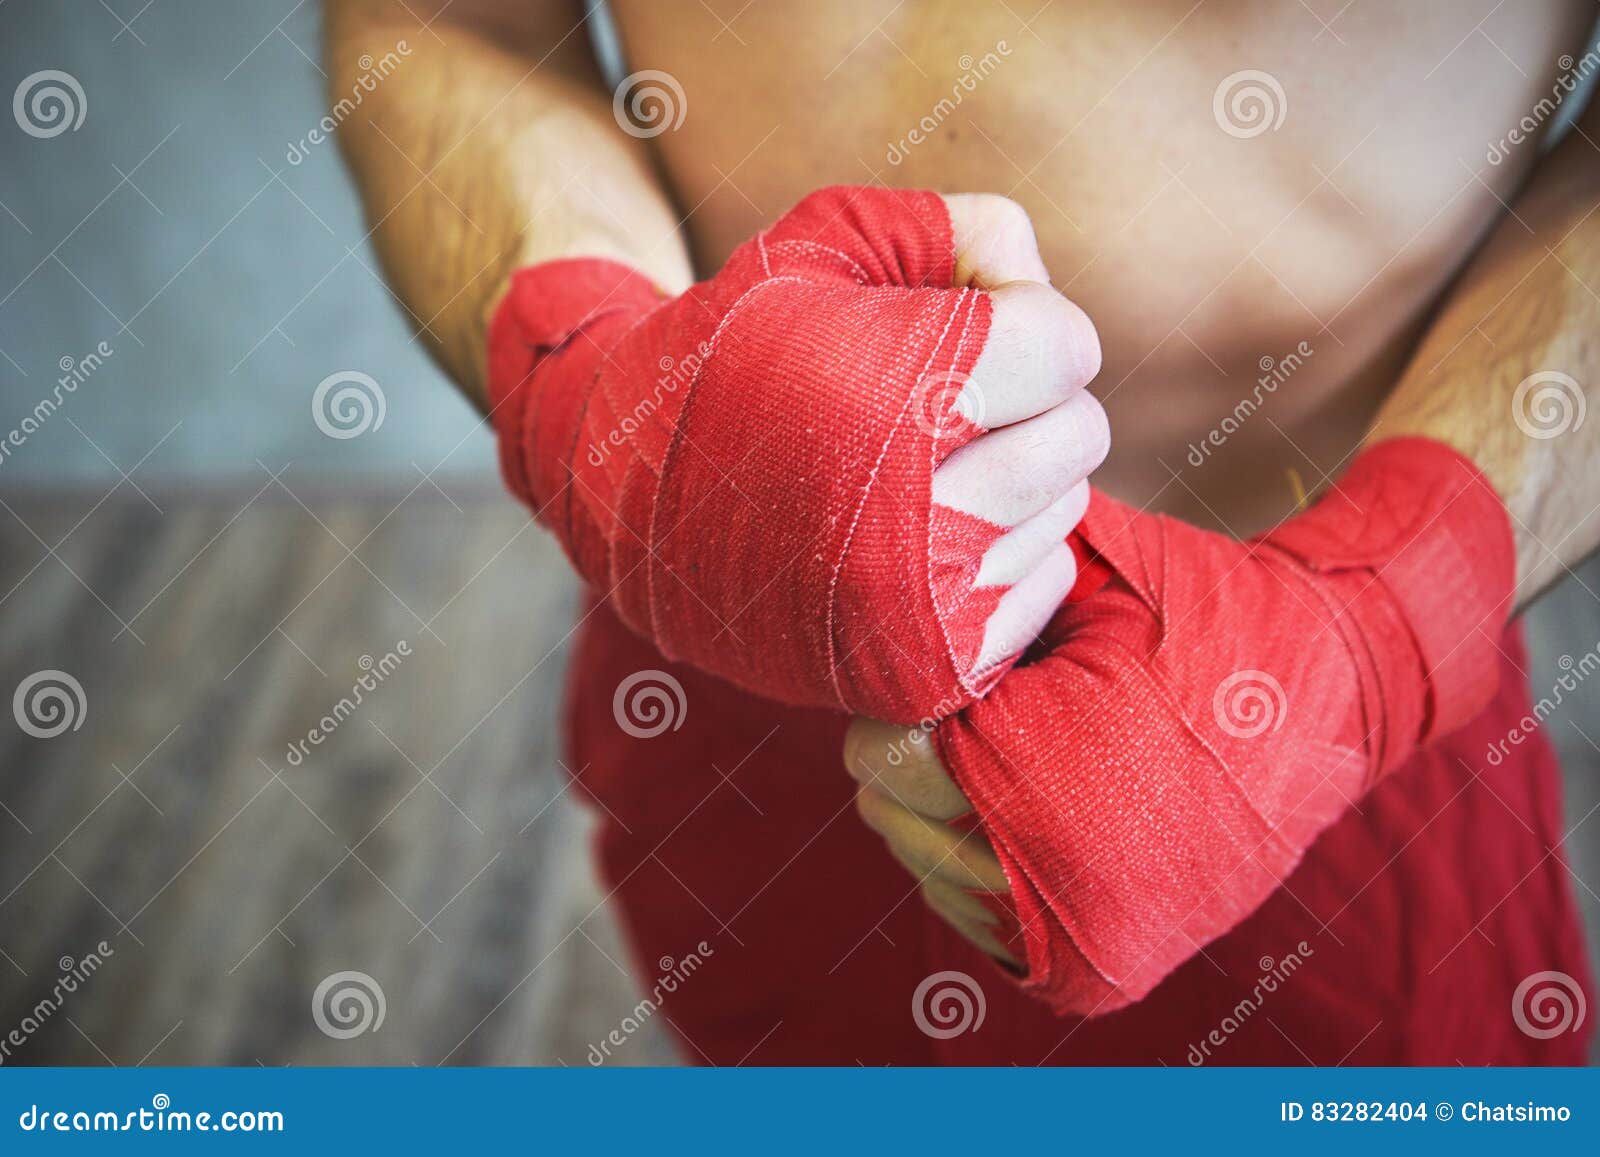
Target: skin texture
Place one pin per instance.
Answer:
(1428, 283)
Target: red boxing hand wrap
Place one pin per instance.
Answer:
(1195, 724)
(746, 469)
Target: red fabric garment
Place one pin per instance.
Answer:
(745, 470)
(1190, 729)
(1424, 908)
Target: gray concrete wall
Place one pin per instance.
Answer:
(227, 281)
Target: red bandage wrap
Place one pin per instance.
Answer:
(745, 470)
(1190, 728)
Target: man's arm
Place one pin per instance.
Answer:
(1526, 310)
(492, 146)
(513, 213)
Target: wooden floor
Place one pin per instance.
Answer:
(428, 843)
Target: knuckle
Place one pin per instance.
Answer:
(1041, 327)
(1025, 332)
(1033, 303)
(1094, 427)
(993, 211)
(1009, 216)
(1073, 340)
(1083, 340)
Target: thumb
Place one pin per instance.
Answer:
(994, 241)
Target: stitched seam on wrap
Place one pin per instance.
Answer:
(962, 678)
(713, 346)
(866, 491)
(862, 277)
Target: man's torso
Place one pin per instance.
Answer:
(1286, 264)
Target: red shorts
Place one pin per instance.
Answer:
(1400, 939)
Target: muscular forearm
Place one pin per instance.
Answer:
(491, 147)
(1525, 311)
